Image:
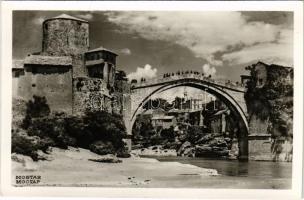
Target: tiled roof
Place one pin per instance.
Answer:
(94, 62)
(18, 64)
(100, 49)
(65, 16)
(48, 60)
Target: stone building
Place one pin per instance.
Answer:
(218, 121)
(164, 122)
(270, 112)
(72, 77)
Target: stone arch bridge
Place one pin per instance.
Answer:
(231, 94)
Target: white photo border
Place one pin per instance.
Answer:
(7, 9)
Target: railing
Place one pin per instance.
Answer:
(162, 79)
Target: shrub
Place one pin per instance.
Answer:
(54, 128)
(168, 134)
(35, 109)
(91, 131)
(28, 145)
(195, 133)
(38, 107)
(102, 148)
(106, 127)
(97, 126)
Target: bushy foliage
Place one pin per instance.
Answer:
(274, 101)
(168, 134)
(95, 126)
(35, 108)
(195, 133)
(28, 145)
(42, 130)
(102, 148)
(53, 128)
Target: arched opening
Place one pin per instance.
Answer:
(236, 110)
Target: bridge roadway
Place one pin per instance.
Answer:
(221, 83)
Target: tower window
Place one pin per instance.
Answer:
(96, 71)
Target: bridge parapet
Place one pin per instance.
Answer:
(162, 79)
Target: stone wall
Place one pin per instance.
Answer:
(269, 100)
(79, 69)
(90, 94)
(282, 149)
(269, 148)
(52, 82)
(18, 76)
(257, 125)
(63, 37)
(259, 147)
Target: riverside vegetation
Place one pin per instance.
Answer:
(99, 131)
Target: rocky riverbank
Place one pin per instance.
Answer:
(208, 145)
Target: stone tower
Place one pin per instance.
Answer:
(65, 35)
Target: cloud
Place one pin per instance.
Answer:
(38, 21)
(207, 70)
(146, 72)
(280, 52)
(204, 33)
(87, 16)
(125, 51)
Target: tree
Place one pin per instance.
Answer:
(157, 103)
(35, 108)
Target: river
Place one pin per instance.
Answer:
(240, 174)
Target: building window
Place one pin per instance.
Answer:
(34, 70)
(91, 57)
(96, 71)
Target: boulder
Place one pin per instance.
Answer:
(185, 145)
(189, 152)
(205, 139)
(26, 161)
(203, 148)
(123, 154)
(106, 159)
(227, 139)
(172, 145)
(182, 137)
(24, 144)
(102, 148)
(220, 147)
(234, 151)
(218, 141)
(137, 146)
(222, 153)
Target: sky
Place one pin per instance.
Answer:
(151, 43)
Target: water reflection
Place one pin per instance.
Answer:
(238, 168)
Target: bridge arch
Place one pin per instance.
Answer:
(144, 94)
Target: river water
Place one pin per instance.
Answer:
(240, 174)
